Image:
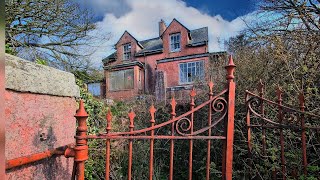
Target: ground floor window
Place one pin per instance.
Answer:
(191, 71)
(121, 80)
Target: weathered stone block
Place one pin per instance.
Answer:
(25, 76)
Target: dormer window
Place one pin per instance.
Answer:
(175, 42)
(126, 52)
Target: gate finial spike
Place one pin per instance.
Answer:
(173, 106)
(279, 93)
(109, 118)
(81, 112)
(152, 111)
(230, 69)
(109, 115)
(210, 84)
(193, 92)
(260, 86)
(131, 117)
(301, 99)
(192, 95)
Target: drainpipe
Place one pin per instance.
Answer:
(207, 48)
(145, 74)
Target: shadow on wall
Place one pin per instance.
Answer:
(150, 79)
(45, 137)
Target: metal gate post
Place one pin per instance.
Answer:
(230, 120)
(81, 148)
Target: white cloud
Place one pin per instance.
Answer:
(142, 23)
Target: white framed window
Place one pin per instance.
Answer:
(191, 71)
(121, 80)
(126, 51)
(175, 40)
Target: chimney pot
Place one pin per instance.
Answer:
(162, 27)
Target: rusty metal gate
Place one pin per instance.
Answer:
(182, 128)
(263, 114)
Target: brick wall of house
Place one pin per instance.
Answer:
(126, 38)
(176, 27)
(38, 99)
(150, 61)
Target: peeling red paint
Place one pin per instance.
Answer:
(26, 116)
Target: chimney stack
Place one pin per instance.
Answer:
(162, 27)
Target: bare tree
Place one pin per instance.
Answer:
(59, 31)
(295, 14)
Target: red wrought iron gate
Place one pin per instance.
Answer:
(221, 111)
(182, 128)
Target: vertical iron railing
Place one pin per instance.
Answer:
(192, 104)
(173, 115)
(152, 121)
(108, 129)
(222, 104)
(230, 119)
(210, 85)
(261, 93)
(81, 148)
(131, 126)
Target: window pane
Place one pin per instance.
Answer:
(191, 71)
(126, 51)
(183, 73)
(128, 79)
(119, 80)
(175, 42)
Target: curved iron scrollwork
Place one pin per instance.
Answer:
(219, 104)
(253, 104)
(183, 126)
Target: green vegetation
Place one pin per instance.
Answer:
(283, 50)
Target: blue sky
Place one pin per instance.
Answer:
(228, 9)
(224, 19)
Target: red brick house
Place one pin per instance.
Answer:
(172, 61)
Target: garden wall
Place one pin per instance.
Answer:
(39, 100)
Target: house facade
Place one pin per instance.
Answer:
(173, 61)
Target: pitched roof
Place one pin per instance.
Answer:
(128, 64)
(151, 45)
(129, 35)
(174, 19)
(110, 58)
(199, 36)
